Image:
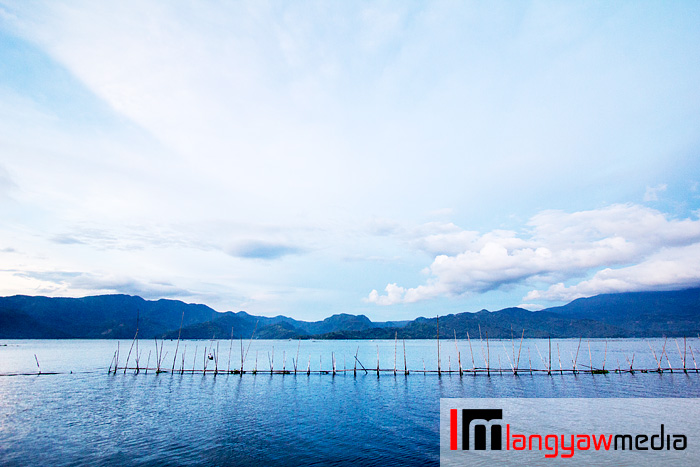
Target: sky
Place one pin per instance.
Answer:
(393, 159)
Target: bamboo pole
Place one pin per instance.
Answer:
(459, 356)
(541, 357)
(692, 354)
(658, 362)
(549, 360)
(37, 363)
(605, 355)
(230, 348)
(472, 354)
(590, 355)
(250, 342)
(160, 354)
(354, 370)
(126, 365)
(112, 362)
(437, 319)
(559, 357)
(297, 359)
(116, 361)
(396, 341)
(148, 361)
(517, 364)
(680, 355)
(377, 360)
(184, 352)
(663, 352)
(194, 359)
(577, 349)
(405, 366)
(488, 356)
(481, 346)
(182, 320)
(216, 359)
(509, 360)
(158, 365)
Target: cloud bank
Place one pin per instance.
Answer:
(627, 247)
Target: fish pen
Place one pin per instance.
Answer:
(550, 358)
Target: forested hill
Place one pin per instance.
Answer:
(635, 314)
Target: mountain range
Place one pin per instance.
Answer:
(633, 314)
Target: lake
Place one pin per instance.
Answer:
(85, 416)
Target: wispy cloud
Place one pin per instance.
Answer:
(559, 246)
(70, 283)
(254, 249)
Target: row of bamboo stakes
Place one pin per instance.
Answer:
(514, 363)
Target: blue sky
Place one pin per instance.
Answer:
(395, 159)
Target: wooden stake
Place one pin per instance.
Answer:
(148, 361)
(37, 363)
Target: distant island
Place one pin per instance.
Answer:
(634, 314)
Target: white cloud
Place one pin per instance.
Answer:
(669, 269)
(652, 193)
(651, 249)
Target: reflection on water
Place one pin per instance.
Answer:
(89, 417)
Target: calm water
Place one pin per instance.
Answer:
(92, 418)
